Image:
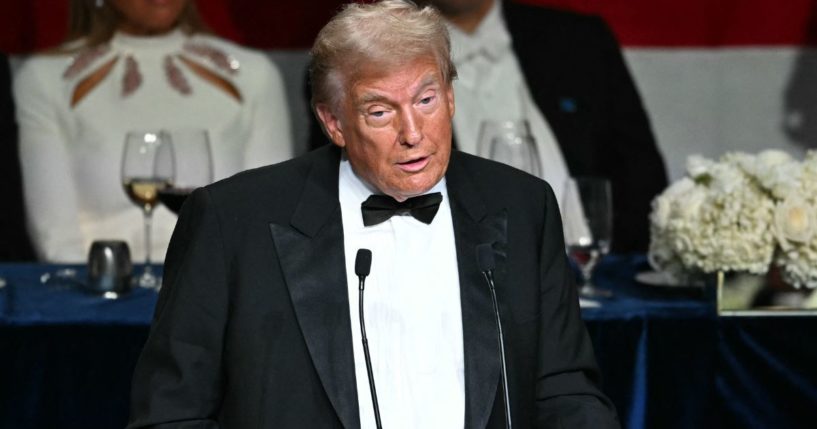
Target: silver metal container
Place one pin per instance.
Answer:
(109, 268)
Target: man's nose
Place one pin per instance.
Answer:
(411, 128)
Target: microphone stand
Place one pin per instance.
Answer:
(363, 264)
(485, 258)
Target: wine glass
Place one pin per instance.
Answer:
(190, 151)
(588, 227)
(510, 142)
(143, 176)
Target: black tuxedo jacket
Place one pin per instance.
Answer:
(573, 67)
(252, 328)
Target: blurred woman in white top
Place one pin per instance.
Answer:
(134, 65)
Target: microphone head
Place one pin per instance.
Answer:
(485, 257)
(363, 262)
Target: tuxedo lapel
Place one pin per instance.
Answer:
(473, 225)
(311, 254)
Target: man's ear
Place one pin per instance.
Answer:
(331, 124)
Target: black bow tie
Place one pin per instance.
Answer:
(380, 208)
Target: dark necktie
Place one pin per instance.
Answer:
(380, 208)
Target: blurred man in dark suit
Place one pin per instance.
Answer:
(564, 73)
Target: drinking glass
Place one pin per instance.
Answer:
(189, 151)
(588, 226)
(510, 142)
(143, 176)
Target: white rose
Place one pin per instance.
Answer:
(794, 220)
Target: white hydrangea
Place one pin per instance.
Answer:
(738, 214)
(798, 265)
(717, 219)
(698, 166)
(776, 171)
(670, 211)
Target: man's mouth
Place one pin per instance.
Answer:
(413, 165)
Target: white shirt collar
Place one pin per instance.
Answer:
(353, 189)
(490, 40)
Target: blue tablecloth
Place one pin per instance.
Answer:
(27, 301)
(668, 360)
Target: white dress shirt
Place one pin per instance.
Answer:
(412, 313)
(491, 86)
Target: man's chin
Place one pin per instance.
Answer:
(405, 193)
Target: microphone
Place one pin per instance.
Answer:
(363, 265)
(486, 262)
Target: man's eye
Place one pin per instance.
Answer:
(427, 100)
(378, 114)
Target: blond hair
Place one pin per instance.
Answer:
(386, 33)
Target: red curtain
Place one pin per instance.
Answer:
(278, 24)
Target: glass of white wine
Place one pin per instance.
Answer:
(143, 176)
(588, 225)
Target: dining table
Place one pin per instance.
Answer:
(667, 358)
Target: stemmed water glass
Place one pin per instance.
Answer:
(143, 176)
(510, 142)
(190, 152)
(588, 225)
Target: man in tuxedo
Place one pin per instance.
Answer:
(563, 72)
(256, 325)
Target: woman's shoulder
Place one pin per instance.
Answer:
(41, 69)
(54, 62)
(247, 57)
(61, 63)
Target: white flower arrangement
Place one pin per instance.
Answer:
(740, 213)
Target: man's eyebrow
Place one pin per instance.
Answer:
(428, 80)
(371, 97)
